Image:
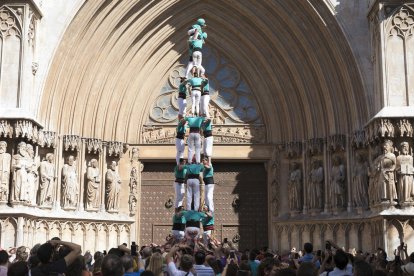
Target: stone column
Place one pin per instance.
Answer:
(81, 174)
(103, 168)
(305, 180)
(19, 231)
(326, 170)
(59, 161)
(349, 165)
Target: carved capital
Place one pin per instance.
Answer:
(405, 128)
(293, 149)
(337, 142)
(6, 129)
(359, 139)
(47, 139)
(72, 142)
(115, 148)
(94, 145)
(26, 129)
(315, 146)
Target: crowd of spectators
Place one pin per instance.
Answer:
(189, 258)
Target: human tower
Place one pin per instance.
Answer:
(193, 172)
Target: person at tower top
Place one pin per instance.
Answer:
(200, 24)
(195, 45)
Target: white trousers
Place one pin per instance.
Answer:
(209, 196)
(179, 146)
(197, 58)
(195, 98)
(178, 235)
(182, 106)
(192, 232)
(208, 146)
(179, 194)
(205, 100)
(194, 146)
(190, 66)
(206, 236)
(193, 188)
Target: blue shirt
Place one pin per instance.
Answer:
(181, 127)
(307, 258)
(206, 87)
(196, 43)
(178, 219)
(207, 126)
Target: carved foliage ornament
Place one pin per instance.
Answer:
(47, 139)
(72, 142)
(94, 145)
(115, 148)
(337, 142)
(293, 149)
(359, 139)
(26, 129)
(315, 146)
(6, 129)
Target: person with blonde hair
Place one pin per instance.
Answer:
(155, 264)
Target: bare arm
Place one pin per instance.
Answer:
(74, 253)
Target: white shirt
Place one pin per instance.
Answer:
(173, 271)
(337, 272)
(202, 270)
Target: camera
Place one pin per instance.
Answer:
(232, 255)
(328, 246)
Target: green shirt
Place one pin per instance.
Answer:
(194, 121)
(208, 172)
(206, 87)
(196, 43)
(193, 215)
(178, 219)
(182, 88)
(207, 125)
(208, 220)
(196, 82)
(181, 127)
(180, 173)
(194, 168)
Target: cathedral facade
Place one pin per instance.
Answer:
(311, 101)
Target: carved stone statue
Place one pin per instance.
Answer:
(316, 185)
(133, 181)
(47, 181)
(386, 179)
(337, 183)
(295, 188)
(360, 180)
(113, 188)
(32, 175)
(20, 171)
(132, 204)
(405, 172)
(5, 162)
(70, 189)
(94, 180)
(374, 174)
